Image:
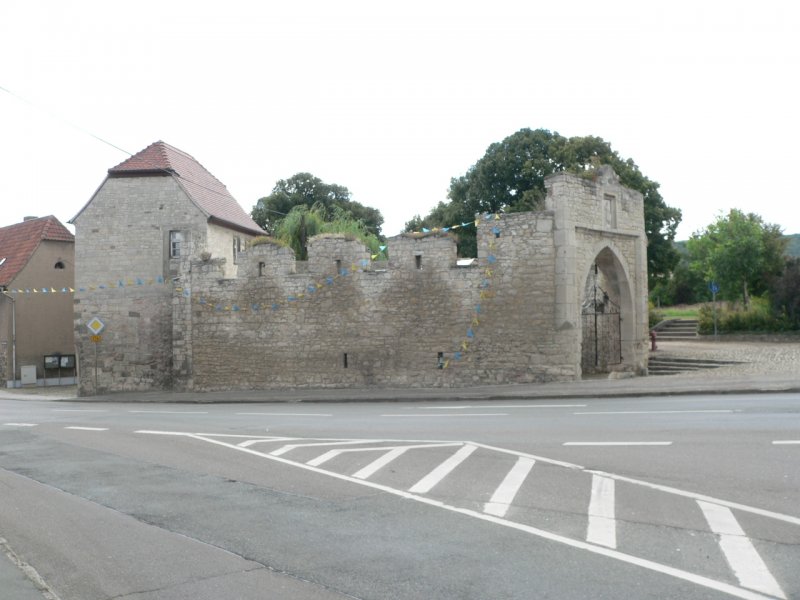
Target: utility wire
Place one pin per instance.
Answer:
(107, 143)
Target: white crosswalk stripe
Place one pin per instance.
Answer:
(504, 494)
(602, 527)
(427, 483)
(742, 556)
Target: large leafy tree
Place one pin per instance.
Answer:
(326, 199)
(740, 252)
(510, 177)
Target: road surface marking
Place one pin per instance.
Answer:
(652, 412)
(504, 495)
(617, 443)
(685, 494)
(739, 551)
(279, 414)
(427, 483)
(452, 415)
(290, 447)
(88, 428)
(323, 458)
(779, 442)
(20, 424)
(550, 461)
(602, 528)
(701, 580)
(78, 410)
(503, 406)
(170, 412)
(379, 463)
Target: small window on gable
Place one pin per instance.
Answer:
(175, 244)
(59, 265)
(261, 267)
(418, 260)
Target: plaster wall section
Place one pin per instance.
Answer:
(225, 243)
(44, 320)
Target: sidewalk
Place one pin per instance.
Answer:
(761, 367)
(17, 578)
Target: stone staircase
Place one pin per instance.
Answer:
(676, 329)
(669, 365)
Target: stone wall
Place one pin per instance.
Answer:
(124, 276)
(341, 319)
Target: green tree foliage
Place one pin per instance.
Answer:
(684, 286)
(303, 223)
(304, 189)
(510, 177)
(785, 292)
(740, 252)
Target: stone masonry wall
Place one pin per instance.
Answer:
(123, 276)
(379, 324)
(343, 320)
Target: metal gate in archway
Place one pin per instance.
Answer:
(602, 332)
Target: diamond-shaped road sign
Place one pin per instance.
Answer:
(96, 325)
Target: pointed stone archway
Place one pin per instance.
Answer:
(607, 326)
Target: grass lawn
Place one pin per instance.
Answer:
(681, 311)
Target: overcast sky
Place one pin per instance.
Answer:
(393, 99)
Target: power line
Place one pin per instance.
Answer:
(112, 145)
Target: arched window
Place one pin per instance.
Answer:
(59, 265)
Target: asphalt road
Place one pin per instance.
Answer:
(661, 497)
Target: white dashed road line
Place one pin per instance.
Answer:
(452, 415)
(504, 406)
(279, 414)
(87, 428)
(785, 442)
(169, 412)
(617, 444)
(20, 424)
(652, 412)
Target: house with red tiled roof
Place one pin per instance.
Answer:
(153, 213)
(37, 272)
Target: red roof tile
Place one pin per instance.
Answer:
(19, 242)
(205, 190)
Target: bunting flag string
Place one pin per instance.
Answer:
(468, 342)
(486, 216)
(309, 290)
(460, 354)
(105, 285)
